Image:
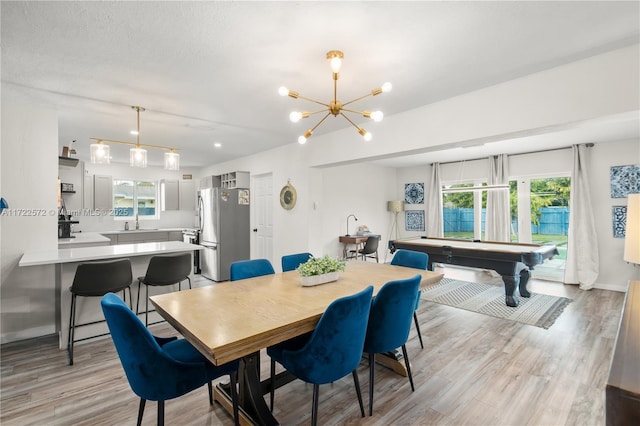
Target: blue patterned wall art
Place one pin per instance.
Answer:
(414, 193)
(624, 180)
(619, 215)
(414, 220)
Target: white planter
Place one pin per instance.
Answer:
(319, 279)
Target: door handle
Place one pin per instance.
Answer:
(255, 229)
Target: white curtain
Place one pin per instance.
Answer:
(583, 262)
(498, 217)
(434, 222)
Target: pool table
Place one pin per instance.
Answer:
(512, 261)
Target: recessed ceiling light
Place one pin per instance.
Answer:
(217, 144)
(134, 132)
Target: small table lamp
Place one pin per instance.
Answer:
(395, 207)
(632, 232)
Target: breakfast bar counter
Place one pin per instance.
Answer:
(88, 308)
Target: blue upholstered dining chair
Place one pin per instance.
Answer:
(244, 269)
(417, 260)
(331, 351)
(292, 261)
(389, 324)
(157, 368)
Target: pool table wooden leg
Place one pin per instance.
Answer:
(510, 284)
(524, 279)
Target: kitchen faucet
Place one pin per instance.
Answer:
(348, 217)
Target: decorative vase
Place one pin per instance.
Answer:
(319, 279)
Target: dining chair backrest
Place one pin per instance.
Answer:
(244, 269)
(335, 346)
(391, 315)
(101, 277)
(152, 374)
(167, 269)
(410, 259)
(292, 261)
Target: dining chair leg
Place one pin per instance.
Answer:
(314, 408)
(72, 322)
(160, 413)
(357, 383)
(146, 306)
(415, 319)
(141, 411)
(406, 363)
(233, 378)
(210, 387)
(138, 299)
(273, 385)
(189, 279)
(371, 379)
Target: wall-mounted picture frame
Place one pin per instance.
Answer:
(414, 220)
(414, 193)
(619, 221)
(625, 180)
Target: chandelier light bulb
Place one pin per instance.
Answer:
(377, 116)
(336, 64)
(295, 116)
(283, 91)
(367, 136)
(302, 140)
(386, 87)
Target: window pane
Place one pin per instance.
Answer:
(146, 195)
(458, 214)
(123, 198)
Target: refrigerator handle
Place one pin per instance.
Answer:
(200, 207)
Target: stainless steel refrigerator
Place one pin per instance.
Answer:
(224, 230)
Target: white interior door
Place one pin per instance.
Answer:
(263, 217)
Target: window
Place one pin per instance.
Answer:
(132, 197)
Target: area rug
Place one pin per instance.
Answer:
(540, 310)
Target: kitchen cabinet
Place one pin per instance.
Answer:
(170, 192)
(133, 237)
(235, 180)
(187, 194)
(102, 192)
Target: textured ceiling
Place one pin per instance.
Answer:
(209, 71)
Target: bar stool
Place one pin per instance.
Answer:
(163, 270)
(95, 279)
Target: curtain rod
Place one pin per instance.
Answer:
(588, 145)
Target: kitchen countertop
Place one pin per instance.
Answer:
(84, 238)
(82, 254)
(132, 229)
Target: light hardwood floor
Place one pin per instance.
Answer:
(474, 370)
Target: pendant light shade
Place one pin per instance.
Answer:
(172, 161)
(138, 157)
(100, 153)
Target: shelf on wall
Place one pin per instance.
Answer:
(67, 161)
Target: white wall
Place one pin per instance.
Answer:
(29, 184)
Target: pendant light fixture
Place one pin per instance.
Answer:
(335, 107)
(137, 154)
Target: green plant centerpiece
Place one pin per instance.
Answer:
(320, 270)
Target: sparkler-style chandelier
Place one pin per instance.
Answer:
(137, 154)
(335, 107)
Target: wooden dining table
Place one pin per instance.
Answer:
(235, 320)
